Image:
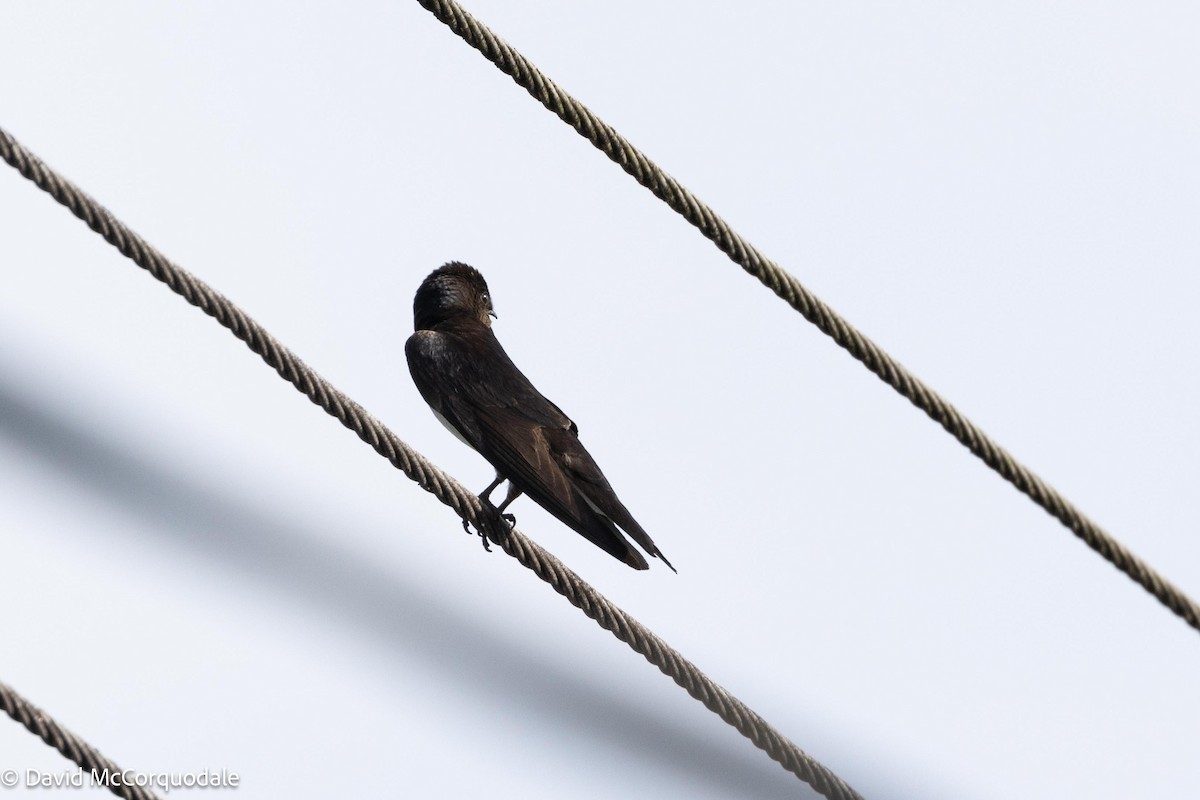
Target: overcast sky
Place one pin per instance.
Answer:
(204, 571)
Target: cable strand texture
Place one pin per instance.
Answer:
(464, 502)
(42, 725)
(812, 308)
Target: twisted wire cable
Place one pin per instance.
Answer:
(40, 723)
(464, 502)
(787, 287)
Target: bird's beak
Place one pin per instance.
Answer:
(493, 315)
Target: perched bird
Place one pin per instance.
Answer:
(478, 393)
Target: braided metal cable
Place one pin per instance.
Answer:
(464, 502)
(786, 286)
(40, 723)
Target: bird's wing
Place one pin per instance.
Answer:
(585, 475)
(522, 452)
(476, 389)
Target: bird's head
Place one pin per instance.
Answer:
(452, 292)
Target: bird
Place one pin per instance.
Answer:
(479, 394)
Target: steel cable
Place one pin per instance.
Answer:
(787, 287)
(40, 723)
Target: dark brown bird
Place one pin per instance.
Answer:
(478, 393)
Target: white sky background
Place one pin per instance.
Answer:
(202, 570)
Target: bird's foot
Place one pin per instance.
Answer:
(511, 519)
(482, 536)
